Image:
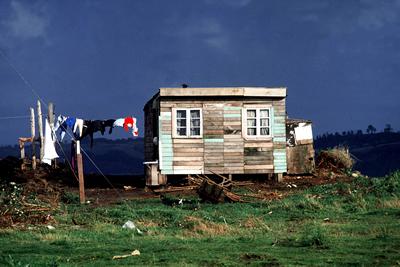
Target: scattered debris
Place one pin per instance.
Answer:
(28, 197)
(133, 253)
(128, 187)
(130, 225)
(336, 160)
(171, 189)
(216, 192)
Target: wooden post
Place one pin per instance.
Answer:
(33, 138)
(22, 151)
(278, 177)
(80, 172)
(40, 126)
(51, 122)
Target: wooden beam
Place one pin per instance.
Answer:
(225, 91)
(80, 173)
(33, 138)
(51, 121)
(40, 126)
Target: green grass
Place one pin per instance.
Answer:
(339, 224)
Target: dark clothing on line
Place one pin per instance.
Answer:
(109, 123)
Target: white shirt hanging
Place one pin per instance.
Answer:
(49, 148)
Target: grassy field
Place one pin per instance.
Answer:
(338, 224)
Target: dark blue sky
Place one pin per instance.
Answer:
(104, 59)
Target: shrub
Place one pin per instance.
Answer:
(336, 159)
(70, 198)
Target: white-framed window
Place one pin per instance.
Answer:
(257, 122)
(187, 122)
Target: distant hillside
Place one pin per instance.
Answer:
(122, 156)
(376, 154)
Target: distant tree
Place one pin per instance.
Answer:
(344, 133)
(359, 132)
(371, 129)
(337, 134)
(388, 128)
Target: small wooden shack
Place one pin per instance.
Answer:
(229, 130)
(300, 146)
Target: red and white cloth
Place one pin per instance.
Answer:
(128, 122)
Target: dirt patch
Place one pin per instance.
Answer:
(199, 227)
(255, 223)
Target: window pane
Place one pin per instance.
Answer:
(251, 131)
(181, 113)
(264, 113)
(194, 131)
(264, 131)
(251, 122)
(264, 122)
(195, 114)
(195, 122)
(251, 113)
(181, 131)
(181, 122)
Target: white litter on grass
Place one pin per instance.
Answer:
(50, 227)
(133, 253)
(130, 225)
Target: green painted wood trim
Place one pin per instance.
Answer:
(279, 139)
(209, 136)
(280, 163)
(214, 140)
(233, 115)
(167, 146)
(279, 132)
(232, 108)
(168, 154)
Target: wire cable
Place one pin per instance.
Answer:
(14, 117)
(28, 84)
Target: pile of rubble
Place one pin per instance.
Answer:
(337, 160)
(27, 196)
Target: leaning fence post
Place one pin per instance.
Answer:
(51, 121)
(80, 172)
(33, 138)
(40, 126)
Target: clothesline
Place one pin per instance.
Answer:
(82, 128)
(14, 117)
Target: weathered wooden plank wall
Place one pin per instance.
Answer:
(149, 134)
(187, 154)
(222, 148)
(233, 140)
(165, 143)
(213, 135)
(300, 159)
(279, 135)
